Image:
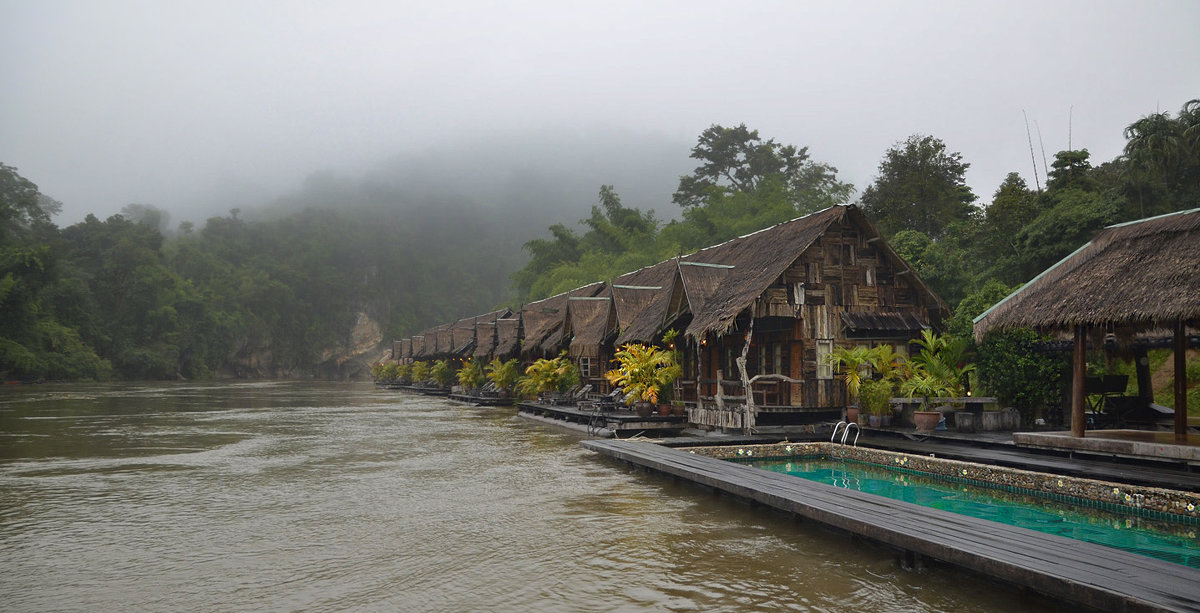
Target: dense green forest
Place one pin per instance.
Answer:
(285, 294)
(269, 298)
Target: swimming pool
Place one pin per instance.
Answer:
(1166, 540)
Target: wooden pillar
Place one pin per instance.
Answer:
(1180, 382)
(1078, 378)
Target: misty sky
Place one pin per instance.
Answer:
(189, 106)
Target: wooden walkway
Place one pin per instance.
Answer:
(1091, 575)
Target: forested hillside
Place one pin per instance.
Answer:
(311, 286)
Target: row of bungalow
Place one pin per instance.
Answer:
(776, 301)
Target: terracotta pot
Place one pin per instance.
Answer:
(926, 421)
(679, 410)
(664, 409)
(644, 409)
(852, 414)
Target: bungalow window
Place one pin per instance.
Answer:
(824, 368)
(585, 367)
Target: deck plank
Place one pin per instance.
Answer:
(1093, 575)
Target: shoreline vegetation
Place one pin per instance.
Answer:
(315, 293)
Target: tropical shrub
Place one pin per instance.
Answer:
(643, 372)
(942, 358)
(554, 375)
(404, 373)
(420, 372)
(875, 394)
(442, 373)
(502, 374)
(470, 376)
(1017, 375)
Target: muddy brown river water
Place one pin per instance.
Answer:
(340, 497)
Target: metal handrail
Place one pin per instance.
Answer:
(858, 432)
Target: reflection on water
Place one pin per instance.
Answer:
(287, 496)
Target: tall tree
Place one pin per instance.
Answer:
(738, 160)
(920, 186)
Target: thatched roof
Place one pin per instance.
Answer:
(445, 340)
(700, 281)
(544, 319)
(508, 336)
(540, 319)
(463, 339)
(640, 299)
(757, 259)
(485, 339)
(406, 347)
(1141, 275)
(591, 322)
(418, 346)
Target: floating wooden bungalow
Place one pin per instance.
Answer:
(588, 330)
(783, 298)
(1140, 278)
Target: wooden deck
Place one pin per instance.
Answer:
(618, 423)
(1090, 575)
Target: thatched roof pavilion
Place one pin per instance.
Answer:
(1131, 278)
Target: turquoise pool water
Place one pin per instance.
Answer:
(1172, 542)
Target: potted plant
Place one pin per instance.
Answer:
(937, 371)
(643, 372)
(925, 385)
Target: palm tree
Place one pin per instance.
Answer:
(1156, 144)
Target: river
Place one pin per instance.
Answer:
(289, 496)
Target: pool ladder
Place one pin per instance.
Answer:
(846, 431)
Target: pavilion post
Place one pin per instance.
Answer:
(1180, 382)
(1078, 379)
